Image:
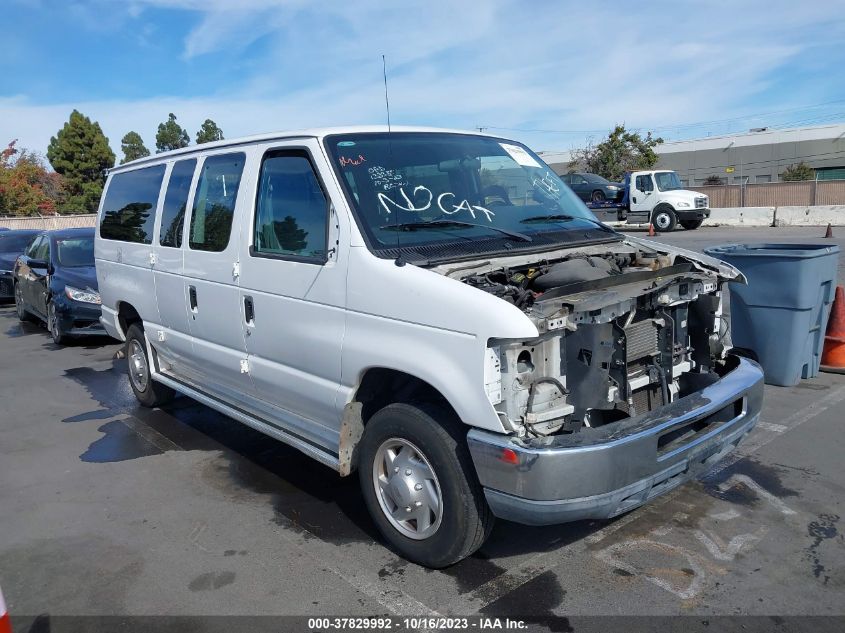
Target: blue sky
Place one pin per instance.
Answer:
(551, 74)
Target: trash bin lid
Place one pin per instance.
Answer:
(780, 251)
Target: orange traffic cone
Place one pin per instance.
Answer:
(829, 232)
(833, 355)
(651, 232)
(5, 621)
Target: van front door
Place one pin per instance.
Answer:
(210, 277)
(293, 292)
(642, 193)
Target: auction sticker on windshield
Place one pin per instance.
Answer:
(520, 155)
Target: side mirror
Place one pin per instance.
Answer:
(38, 263)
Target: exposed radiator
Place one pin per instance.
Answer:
(641, 340)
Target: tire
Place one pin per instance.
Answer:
(663, 218)
(691, 225)
(598, 196)
(148, 392)
(23, 315)
(53, 326)
(424, 435)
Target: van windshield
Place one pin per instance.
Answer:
(667, 180)
(416, 189)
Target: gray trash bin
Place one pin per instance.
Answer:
(782, 313)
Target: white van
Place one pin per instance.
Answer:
(433, 309)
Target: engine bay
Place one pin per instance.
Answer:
(623, 331)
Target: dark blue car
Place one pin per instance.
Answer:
(12, 244)
(55, 281)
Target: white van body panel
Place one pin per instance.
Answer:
(176, 349)
(124, 274)
(430, 326)
(294, 344)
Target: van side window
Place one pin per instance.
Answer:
(129, 206)
(176, 202)
(214, 202)
(291, 214)
(644, 183)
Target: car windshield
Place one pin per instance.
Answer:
(15, 242)
(595, 178)
(667, 180)
(412, 189)
(75, 252)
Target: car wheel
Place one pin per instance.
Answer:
(53, 325)
(691, 225)
(419, 484)
(663, 218)
(598, 196)
(148, 392)
(23, 315)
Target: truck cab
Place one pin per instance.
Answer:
(658, 197)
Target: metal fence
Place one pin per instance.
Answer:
(775, 194)
(50, 222)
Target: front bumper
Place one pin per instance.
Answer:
(79, 319)
(692, 214)
(601, 473)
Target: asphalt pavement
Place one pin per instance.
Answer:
(107, 508)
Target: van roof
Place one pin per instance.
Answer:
(319, 132)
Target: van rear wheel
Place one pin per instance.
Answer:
(148, 392)
(419, 484)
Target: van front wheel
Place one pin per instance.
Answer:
(419, 484)
(148, 392)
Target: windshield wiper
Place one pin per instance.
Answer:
(422, 225)
(566, 218)
(543, 218)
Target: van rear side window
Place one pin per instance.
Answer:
(214, 201)
(176, 202)
(129, 206)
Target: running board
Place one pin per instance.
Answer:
(259, 425)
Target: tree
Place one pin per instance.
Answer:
(133, 148)
(80, 152)
(713, 180)
(26, 186)
(170, 135)
(622, 151)
(801, 171)
(209, 132)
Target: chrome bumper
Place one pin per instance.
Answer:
(601, 473)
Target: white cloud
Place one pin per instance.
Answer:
(503, 63)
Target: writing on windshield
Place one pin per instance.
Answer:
(404, 179)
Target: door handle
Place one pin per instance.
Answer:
(192, 296)
(249, 311)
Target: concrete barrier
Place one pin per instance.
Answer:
(810, 216)
(741, 216)
(771, 216)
